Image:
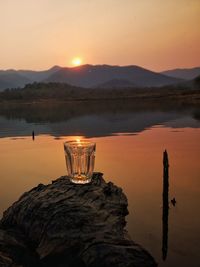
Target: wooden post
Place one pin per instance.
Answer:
(33, 135)
(165, 213)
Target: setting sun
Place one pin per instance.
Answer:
(76, 61)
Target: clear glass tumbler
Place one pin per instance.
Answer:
(80, 158)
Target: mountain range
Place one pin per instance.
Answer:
(93, 76)
(186, 74)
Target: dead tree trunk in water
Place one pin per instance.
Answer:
(33, 135)
(165, 213)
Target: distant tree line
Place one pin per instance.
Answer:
(62, 91)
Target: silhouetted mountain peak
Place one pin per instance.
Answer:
(55, 67)
(93, 75)
(88, 75)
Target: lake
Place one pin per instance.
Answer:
(130, 142)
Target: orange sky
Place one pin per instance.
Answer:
(154, 34)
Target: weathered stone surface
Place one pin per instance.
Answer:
(14, 249)
(75, 225)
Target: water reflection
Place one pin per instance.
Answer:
(91, 119)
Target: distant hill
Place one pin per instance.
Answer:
(10, 79)
(187, 74)
(19, 78)
(117, 83)
(93, 75)
(89, 76)
(38, 76)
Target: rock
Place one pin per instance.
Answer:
(14, 250)
(74, 225)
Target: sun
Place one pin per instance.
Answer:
(77, 61)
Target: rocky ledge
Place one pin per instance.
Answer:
(63, 224)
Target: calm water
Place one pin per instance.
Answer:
(130, 142)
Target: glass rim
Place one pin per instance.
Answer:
(82, 142)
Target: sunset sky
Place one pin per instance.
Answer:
(155, 34)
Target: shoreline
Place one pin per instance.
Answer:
(188, 97)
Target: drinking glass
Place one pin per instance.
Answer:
(80, 158)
